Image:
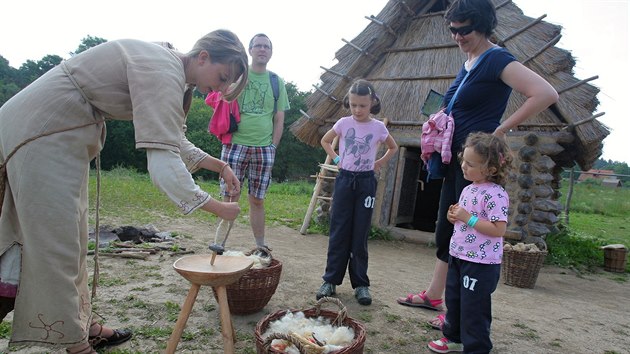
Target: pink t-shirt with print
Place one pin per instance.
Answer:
(488, 201)
(358, 142)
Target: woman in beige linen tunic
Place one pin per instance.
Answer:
(44, 219)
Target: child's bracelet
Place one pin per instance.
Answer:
(472, 221)
(336, 159)
(223, 168)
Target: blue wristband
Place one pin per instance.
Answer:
(336, 159)
(472, 221)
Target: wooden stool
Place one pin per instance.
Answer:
(198, 271)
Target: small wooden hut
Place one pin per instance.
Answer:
(407, 52)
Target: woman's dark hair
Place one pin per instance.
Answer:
(481, 14)
(363, 87)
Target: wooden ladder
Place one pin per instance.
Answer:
(321, 176)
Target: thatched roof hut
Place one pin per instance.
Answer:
(407, 51)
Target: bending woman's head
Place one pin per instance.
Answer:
(224, 47)
(481, 14)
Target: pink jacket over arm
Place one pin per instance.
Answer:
(220, 121)
(437, 136)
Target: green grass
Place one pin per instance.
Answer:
(597, 215)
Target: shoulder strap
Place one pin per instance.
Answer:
(275, 87)
(483, 55)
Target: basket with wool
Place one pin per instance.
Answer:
(340, 318)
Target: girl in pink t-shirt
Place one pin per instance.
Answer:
(355, 189)
(476, 248)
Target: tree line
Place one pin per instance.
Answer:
(294, 159)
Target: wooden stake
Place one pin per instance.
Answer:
(316, 191)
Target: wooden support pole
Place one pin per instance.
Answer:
(316, 191)
(567, 205)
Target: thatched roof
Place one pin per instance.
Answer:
(407, 50)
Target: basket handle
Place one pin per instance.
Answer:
(276, 335)
(341, 315)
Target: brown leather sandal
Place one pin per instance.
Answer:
(118, 337)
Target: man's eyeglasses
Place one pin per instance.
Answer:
(462, 31)
(261, 46)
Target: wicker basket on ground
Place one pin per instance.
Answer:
(263, 345)
(521, 268)
(254, 289)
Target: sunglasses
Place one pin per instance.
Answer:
(462, 31)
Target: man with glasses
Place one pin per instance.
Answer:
(252, 151)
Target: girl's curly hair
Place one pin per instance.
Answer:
(495, 152)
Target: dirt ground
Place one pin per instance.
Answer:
(565, 312)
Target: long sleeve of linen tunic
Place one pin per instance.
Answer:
(147, 89)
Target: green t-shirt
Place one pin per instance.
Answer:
(256, 109)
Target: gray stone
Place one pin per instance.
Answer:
(537, 229)
(543, 191)
(524, 208)
(521, 219)
(525, 168)
(525, 181)
(547, 205)
(531, 139)
(527, 153)
(543, 178)
(544, 217)
(525, 195)
(544, 164)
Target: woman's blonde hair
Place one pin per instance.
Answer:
(224, 47)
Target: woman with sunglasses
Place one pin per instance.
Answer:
(478, 107)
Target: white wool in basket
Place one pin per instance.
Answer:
(334, 337)
(259, 262)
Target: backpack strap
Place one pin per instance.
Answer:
(275, 87)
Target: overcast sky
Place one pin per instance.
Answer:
(306, 35)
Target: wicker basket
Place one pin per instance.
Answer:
(254, 289)
(337, 318)
(521, 268)
(615, 257)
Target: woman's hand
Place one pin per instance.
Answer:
(224, 210)
(233, 185)
(229, 211)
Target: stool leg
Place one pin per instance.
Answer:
(226, 320)
(183, 317)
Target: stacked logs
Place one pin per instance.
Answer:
(533, 185)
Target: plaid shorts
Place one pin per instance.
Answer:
(252, 162)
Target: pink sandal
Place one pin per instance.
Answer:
(437, 322)
(426, 302)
